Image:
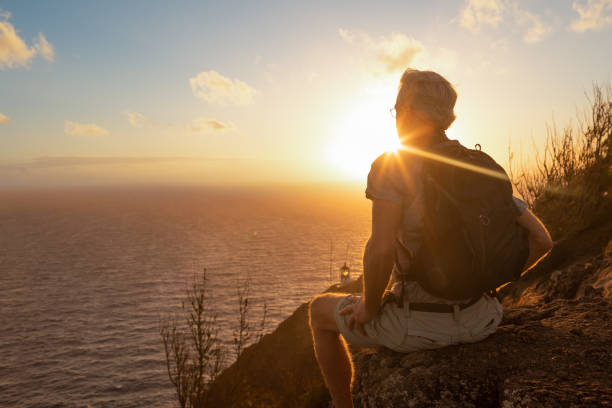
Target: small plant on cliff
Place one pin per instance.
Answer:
(243, 334)
(195, 354)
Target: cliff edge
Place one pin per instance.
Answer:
(551, 350)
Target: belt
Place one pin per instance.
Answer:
(439, 307)
(429, 307)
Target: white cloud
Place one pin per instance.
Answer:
(398, 52)
(594, 15)
(83, 129)
(4, 119)
(137, 119)
(392, 54)
(206, 125)
(45, 48)
(213, 87)
(14, 52)
(537, 29)
(478, 13)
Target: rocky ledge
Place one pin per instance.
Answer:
(555, 354)
(551, 350)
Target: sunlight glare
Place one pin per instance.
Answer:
(365, 132)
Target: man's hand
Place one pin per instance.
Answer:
(358, 314)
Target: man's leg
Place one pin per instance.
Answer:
(330, 349)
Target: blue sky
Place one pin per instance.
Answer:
(302, 92)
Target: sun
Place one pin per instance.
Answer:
(366, 131)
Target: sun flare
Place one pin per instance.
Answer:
(364, 133)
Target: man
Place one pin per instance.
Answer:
(423, 111)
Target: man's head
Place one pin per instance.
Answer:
(425, 102)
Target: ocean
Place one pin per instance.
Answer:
(87, 274)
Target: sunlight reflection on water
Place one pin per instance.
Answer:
(85, 277)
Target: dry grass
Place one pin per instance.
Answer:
(568, 186)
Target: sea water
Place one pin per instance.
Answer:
(87, 274)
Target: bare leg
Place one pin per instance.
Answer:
(330, 349)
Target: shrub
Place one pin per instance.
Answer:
(195, 354)
(568, 185)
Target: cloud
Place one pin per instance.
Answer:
(214, 88)
(537, 30)
(206, 125)
(4, 119)
(138, 120)
(45, 162)
(398, 52)
(14, 52)
(44, 48)
(83, 129)
(594, 15)
(478, 13)
(197, 125)
(392, 54)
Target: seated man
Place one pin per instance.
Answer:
(424, 110)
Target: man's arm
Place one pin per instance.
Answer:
(379, 254)
(378, 260)
(540, 242)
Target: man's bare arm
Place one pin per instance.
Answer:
(540, 242)
(379, 254)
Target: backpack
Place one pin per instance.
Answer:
(472, 242)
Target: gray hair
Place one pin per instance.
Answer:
(427, 92)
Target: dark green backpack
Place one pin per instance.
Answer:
(472, 242)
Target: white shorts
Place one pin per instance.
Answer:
(405, 330)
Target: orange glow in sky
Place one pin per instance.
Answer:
(364, 132)
(221, 94)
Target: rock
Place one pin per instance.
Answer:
(543, 363)
(551, 350)
(280, 370)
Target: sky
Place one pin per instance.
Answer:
(235, 93)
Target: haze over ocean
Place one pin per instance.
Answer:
(86, 274)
